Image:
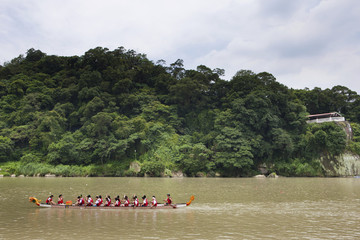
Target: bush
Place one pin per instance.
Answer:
(298, 168)
(153, 169)
(30, 157)
(130, 173)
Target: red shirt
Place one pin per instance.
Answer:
(60, 201)
(136, 203)
(168, 200)
(108, 202)
(126, 204)
(117, 203)
(90, 202)
(48, 200)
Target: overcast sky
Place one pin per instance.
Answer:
(303, 43)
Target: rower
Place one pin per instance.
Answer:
(97, 202)
(89, 201)
(145, 201)
(108, 201)
(117, 201)
(126, 202)
(168, 200)
(136, 201)
(80, 201)
(100, 200)
(60, 199)
(49, 200)
(153, 202)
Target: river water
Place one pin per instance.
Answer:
(224, 208)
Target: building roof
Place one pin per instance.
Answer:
(324, 115)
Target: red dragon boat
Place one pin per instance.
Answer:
(72, 206)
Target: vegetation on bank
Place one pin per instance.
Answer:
(93, 115)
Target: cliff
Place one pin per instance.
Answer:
(346, 164)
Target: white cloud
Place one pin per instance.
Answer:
(303, 43)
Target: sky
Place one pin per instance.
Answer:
(303, 43)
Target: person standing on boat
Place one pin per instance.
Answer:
(107, 201)
(153, 202)
(136, 201)
(117, 201)
(145, 201)
(49, 200)
(60, 199)
(168, 200)
(89, 201)
(126, 201)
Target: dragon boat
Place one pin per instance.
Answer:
(70, 205)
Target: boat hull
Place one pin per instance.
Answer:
(63, 206)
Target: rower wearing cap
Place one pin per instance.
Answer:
(49, 200)
(60, 199)
(168, 200)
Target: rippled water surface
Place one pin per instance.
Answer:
(224, 208)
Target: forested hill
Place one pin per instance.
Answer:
(95, 114)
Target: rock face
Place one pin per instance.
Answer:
(347, 164)
(135, 166)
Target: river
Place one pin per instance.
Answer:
(224, 208)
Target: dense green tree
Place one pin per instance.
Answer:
(108, 108)
(6, 149)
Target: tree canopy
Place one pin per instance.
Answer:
(119, 107)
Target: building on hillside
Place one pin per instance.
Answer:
(332, 117)
(325, 117)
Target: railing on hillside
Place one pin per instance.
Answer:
(329, 119)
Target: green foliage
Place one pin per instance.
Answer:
(354, 146)
(30, 158)
(153, 168)
(92, 115)
(6, 149)
(299, 168)
(195, 158)
(326, 137)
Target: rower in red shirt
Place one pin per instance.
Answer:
(100, 202)
(145, 201)
(97, 202)
(108, 201)
(136, 202)
(80, 201)
(60, 199)
(89, 201)
(126, 202)
(168, 200)
(153, 202)
(117, 202)
(49, 200)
